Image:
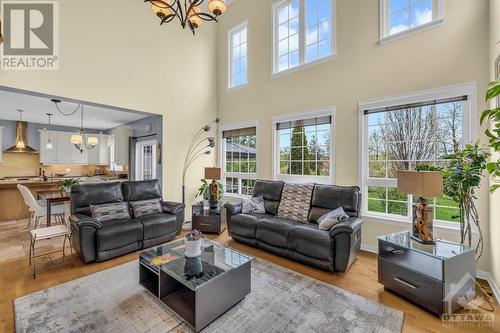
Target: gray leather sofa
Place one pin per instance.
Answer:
(332, 250)
(99, 241)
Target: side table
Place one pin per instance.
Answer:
(208, 220)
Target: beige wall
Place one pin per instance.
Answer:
(114, 52)
(456, 52)
(494, 198)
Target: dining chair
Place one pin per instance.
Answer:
(38, 208)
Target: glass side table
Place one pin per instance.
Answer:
(437, 277)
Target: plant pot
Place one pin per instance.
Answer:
(193, 248)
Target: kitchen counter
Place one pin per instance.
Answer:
(7, 183)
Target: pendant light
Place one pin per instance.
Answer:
(49, 145)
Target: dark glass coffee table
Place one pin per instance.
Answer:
(198, 289)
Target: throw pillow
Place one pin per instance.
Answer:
(146, 207)
(111, 211)
(253, 205)
(295, 202)
(327, 221)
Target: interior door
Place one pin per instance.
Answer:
(145, 160)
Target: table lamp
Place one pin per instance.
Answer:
(424, 184)
(213, 197)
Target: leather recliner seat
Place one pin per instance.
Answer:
(332, 250)
(98, 241)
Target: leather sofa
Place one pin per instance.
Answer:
(332, 250)
(99, 241)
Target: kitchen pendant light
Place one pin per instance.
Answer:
(49, 145)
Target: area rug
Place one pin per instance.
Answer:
(281, 301)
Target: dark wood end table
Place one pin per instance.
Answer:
(208, 220)
(52, 197)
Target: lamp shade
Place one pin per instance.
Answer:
(93, 141)
(212, 173)
(428, 184)
(76, 139)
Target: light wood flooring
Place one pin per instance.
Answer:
(16, 279)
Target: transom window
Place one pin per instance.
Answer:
(402, 138)
(303, 32)
(240, 160)
(304, 149)
(400, 16)
(238, 59)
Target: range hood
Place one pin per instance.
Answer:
(21, 145)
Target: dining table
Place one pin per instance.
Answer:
(52, 197)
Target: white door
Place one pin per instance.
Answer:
(145, 160)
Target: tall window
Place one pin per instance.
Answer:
(399, 16)
(304, 149)
(238, 59)
(303, 32)
(240, 160)
(403, 137)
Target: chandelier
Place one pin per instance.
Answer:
(188, 12)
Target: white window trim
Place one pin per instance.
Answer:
(385, 36)
(302, 65)
(235, 29)
(329, 111)
(469, 126)
(221, 156)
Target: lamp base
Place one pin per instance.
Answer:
(422, 226)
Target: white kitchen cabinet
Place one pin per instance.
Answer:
(62, 147)
(100, 155)
(121, 138)
(77, 156)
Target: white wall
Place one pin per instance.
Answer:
(456, 52)
(114, 52)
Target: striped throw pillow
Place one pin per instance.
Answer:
(146, 207)
(111, 211)
(295, 202)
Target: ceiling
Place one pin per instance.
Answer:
(36, 107)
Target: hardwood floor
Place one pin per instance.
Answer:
(16, 281)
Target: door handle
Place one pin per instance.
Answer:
(408, 284)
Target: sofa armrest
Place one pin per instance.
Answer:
(177, 209)
(232, 208)
(347, 242)
(83, 236)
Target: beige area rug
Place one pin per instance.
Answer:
(281, 301)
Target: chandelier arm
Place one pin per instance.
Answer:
(207, 17)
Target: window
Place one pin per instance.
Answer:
(402, 137)
(303, 148)
(403, 16)
(239, 159)
(146, 160)
(238, 59)
(303, 32)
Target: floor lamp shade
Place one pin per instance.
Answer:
(212, 173)
(422, 184)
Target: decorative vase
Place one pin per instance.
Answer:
(193, 247)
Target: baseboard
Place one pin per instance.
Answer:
(480, 274)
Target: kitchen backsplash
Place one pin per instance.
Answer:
(28, 165)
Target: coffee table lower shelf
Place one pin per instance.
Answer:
(201, 306)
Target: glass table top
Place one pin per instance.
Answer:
(442, 249)
(215, 260)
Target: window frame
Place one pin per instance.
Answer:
(330, 111)
(222, 156)
(236, 29)
(469, 133)
(302, 30)
(438, 17)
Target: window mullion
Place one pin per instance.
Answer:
(302, 31)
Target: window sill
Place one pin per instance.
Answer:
(304, 66)
(441, 226)
(241, 86)
(411, 31)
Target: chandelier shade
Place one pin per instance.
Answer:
(76, 139)
(188, 12)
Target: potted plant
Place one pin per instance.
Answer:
(205, 188)
(493, 132)
(193, 241)
(66, 184)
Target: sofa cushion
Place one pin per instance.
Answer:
(158, 225)
(118, 233)
(146, 207)
(141, 190)
(84, 195)
(308, 240)
(110, 211)
(326, 198)
(274, 231)
(295, 202)
(244, 225)
(271, 191)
